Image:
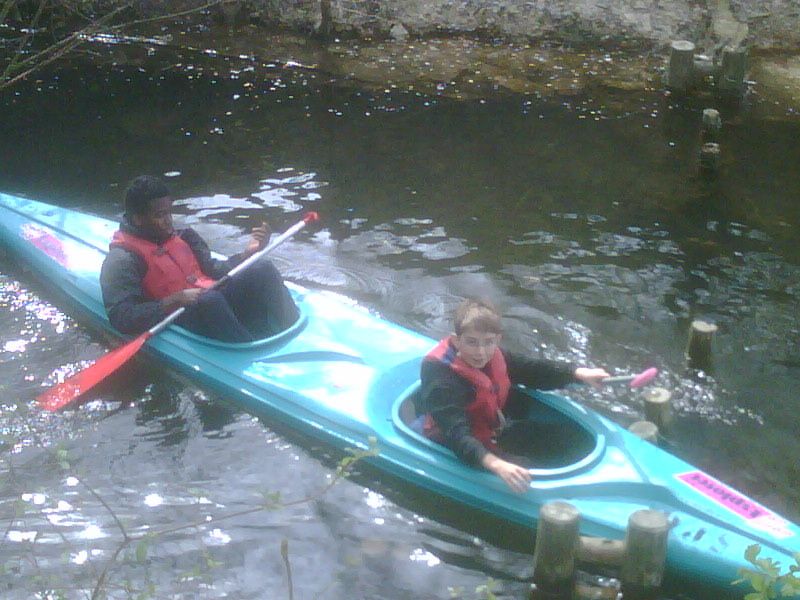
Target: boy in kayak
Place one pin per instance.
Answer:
(153, 269)
(466, 381)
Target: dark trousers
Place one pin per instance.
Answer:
(252, 305)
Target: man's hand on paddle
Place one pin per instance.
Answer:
(185, 297)
(516, 477)
(261, 235)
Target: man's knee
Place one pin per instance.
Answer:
(261, 276)
(267, 271)
(211, 300)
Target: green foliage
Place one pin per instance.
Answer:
(62, 457)
(38, 32)
(355, 455)
(487, 590)
(766, 578)
(211, 562)
(272, 500)
(137, 549)
(141, 550)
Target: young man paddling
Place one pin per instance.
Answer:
(466, 381)
(152, 269)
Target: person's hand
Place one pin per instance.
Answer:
(190, 295)
(259, 239)
(593, 377)
(516, 477)
(185, 297)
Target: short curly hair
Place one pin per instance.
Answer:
(478, 314)
(141, 192)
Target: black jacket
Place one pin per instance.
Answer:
(445, 395)
(128, 308)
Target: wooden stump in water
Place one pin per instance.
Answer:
(681, 66)
(646, 430)
(703, 67)
(586, 591)
(645, 554)
(712, 124)
(730, 80)
(709, 158)
(600, 551)
(698, 350)
(555, 551)
(657, 406)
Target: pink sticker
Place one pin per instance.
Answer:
(758, 517)
(46, 242)
(722, 494)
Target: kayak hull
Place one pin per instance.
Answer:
(347, 378)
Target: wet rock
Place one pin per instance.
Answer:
(398, 32)
(764, 24)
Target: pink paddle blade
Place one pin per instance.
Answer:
(70, 389)
(644, 377)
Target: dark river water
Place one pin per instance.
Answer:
(584, 218)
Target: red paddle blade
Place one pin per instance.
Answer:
(69, 390)
(644, 377)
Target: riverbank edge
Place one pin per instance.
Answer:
(766, 25)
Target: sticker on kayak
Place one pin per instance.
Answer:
(46, 242)
(757, 516)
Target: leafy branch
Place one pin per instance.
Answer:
(271, 501)
(18, 67)
(137, 546)
(766, 578)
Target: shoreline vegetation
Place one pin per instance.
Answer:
(376, 52)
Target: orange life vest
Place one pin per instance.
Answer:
(491, 385)
(171, 266)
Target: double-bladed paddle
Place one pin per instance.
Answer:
(70, 389)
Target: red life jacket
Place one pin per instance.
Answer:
(491, 386)
(171, 266)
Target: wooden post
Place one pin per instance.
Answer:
(698, 350)
(709, 159)
(646, 430)
(657, 406)
(231, 11)
(730, 79)
(645, 554)
(680, 75)
(325, 20)
(703, 68)
(555, 551)
(600, 551)
(712, 124)
(587, 591)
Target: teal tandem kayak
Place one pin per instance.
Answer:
(343, 376)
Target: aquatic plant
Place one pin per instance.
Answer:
(767, 578)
